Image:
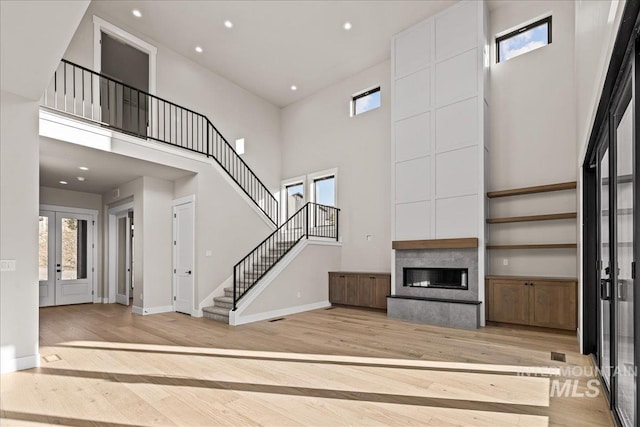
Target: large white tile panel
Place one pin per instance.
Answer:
(412, 180)
(457, 78)
(456, 30)
(413, 221)
(457, 217)
(413, 137)
(413, 49)
(457, 172)
(450, 134)
(412, 94)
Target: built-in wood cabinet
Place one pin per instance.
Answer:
(535, 301)
(359, 289)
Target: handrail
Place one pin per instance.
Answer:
(311, 220)
(125, 108)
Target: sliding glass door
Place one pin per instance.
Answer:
(622, 218)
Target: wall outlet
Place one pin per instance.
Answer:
(208, 252)
(298, 294)
(505, 261)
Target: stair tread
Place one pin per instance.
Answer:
(220, 311)
(224, 299)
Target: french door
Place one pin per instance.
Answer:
(65, 258)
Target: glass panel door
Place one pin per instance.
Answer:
(625, 384)
(74, 263)
(46, 258)
(604, 335)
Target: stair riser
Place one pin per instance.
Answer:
(227, 305)
(216, 317)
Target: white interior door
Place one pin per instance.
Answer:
(183, 258)
(74, 258)
(46, 258)
(123, 259)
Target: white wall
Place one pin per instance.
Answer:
(19, 144)
(596, 26)
(318, 133)
(78, 199)
(236, 112)
(533, 134)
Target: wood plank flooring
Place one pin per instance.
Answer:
(103, 366)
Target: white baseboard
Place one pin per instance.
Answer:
(137, 310)
(19, 363)
(157, 310)
(241, 320)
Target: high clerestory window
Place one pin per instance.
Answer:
(524, 39)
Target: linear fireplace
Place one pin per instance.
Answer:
(443, 278)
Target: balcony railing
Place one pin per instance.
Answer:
(84, 93)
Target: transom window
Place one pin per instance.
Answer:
(365, 101)
(524, 39)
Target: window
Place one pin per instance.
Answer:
(240, 146)
(295, 198)
(523, 40)
(324, 190)
(365, 101)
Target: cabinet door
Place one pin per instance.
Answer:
(336, 288)
(509, 301)
(366, 288)
(553, 304)
(382, 289)
(351, 289)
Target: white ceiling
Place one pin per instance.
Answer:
(275, 44)
(33, 38)
(59, 161)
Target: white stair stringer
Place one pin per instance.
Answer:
(317, 280)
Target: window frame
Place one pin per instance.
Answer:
(354, 99)
(546, 20)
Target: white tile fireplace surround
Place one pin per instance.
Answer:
(450, 306)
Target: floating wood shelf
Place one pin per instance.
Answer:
(536, 246)
(548, 217)
(469, 242)
(533, 190)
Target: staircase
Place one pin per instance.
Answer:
(95, 97)
(312, 220)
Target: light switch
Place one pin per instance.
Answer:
(207, 252)
(8, 265)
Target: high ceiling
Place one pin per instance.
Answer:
(60, 161)
(275, 44)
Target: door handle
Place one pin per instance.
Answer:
(605, 289)
(189, 272)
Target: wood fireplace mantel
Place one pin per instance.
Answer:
(463, 243)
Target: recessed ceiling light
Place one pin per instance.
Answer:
(81, 178)
(347, 25)
(83, 168)
(63, 182)
(294, 87)
(198, 49)
(228, 24)
(136, 13)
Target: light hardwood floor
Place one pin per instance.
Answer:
(101, 365)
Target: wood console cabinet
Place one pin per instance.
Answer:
(535, 301)
(359, 289)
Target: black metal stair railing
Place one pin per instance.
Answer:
(81, 92)
(311, 220)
